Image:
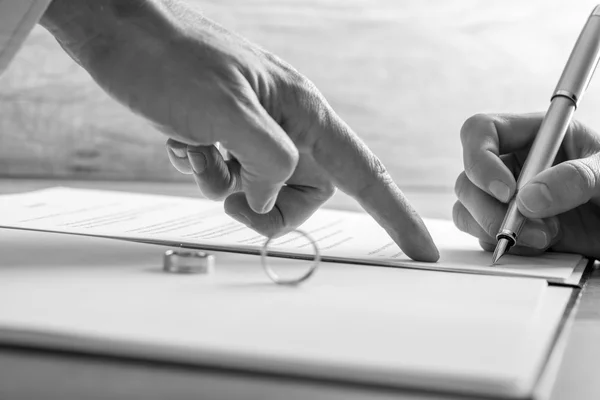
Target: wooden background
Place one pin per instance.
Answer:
(404, 74)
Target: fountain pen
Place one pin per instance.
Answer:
(566, 97)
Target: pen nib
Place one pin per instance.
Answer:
(501, 248)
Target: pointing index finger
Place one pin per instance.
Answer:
(359, 173)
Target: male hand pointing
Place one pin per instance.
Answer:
(203, 86)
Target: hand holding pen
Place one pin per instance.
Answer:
(574, 183)
(562, 204)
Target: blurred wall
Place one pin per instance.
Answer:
(404, 74)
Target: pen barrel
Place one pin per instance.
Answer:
(548, 139)
(541, 157)
(582, 62)
(570, 88)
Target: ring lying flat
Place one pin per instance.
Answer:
(290, 282)
(188, 262)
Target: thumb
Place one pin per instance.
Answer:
(561, 188)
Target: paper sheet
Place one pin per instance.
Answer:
(341, 235)
(462, 333)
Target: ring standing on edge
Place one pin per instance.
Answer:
(290, 282)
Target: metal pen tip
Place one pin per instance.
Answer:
(501, 248)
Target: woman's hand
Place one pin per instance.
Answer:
(562, 203)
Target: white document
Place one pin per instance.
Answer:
(194, 223)
(488, 336)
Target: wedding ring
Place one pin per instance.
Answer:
(295, 281)
(188, 262)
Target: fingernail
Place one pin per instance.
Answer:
(241, 218)
(500, 191)
(179, 152)
(534, 238)
(535, 197)
(198, 162)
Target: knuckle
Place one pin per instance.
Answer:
(578, 129)
(472, 168)
(308, 96)
(237, 97)
(476, 138)
(284, 163)
(308, 107)
(474, 125)
(586, 179)
(460, 184)
(213, 188)
(289, 77)
(378, 167)
(302, 91)
(575, 126)
(299, 83)
(291, 158)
